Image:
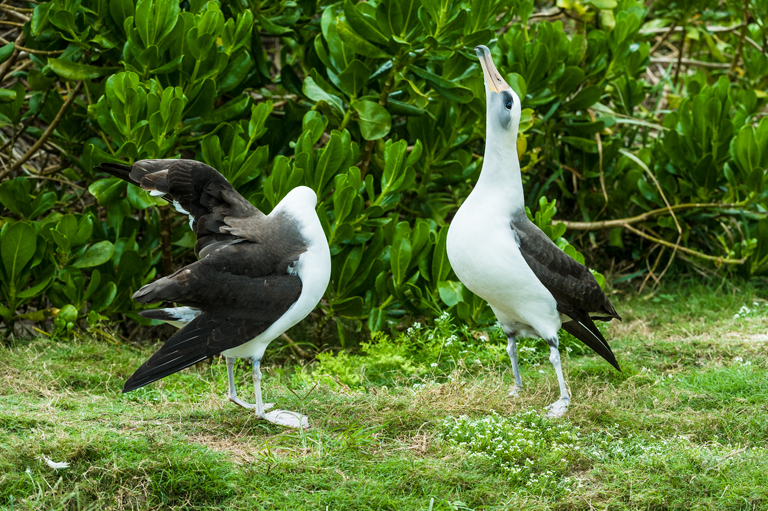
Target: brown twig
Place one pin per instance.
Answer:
(651, 270)
(33, 51)
(621, 222)
(571, 170)
(600, 160)
(664, 38)
(740, 45)
(690, 62)
(11, 141)
(711, 29)
(716, 259)
(295, 347)
(39, 143)
(58, 180)
(8, 64)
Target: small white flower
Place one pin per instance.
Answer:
(541, 371)
(433, 364)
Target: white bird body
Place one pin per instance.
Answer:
(533, 287)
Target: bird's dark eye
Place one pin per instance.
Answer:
(508, 104)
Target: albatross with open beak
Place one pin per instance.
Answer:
(257, 276)
(533, 287)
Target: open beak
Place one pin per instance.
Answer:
(492, 77)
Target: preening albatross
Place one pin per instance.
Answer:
(257, 276)
(533, 287)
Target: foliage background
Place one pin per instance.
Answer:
(646, 123)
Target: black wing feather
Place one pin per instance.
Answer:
(219, 213)
(229, 318)
(573, 286)
(202, 338)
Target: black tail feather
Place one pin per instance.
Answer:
(182, 350)
(586, 331)
(117, 170)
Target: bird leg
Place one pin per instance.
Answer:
(281, 417)
(512, 352)
(559, 407)
(232, 391)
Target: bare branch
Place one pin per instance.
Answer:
(39, 143)
(621, 222)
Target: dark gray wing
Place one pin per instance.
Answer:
(221, 215)
(236, 306)
(573, 286)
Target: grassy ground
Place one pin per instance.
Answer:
(684, 427)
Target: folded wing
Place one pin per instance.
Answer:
(573, 286)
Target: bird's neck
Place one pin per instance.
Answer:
(500, 181)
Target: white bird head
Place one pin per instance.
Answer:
(503, 105)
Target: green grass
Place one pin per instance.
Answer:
(685, 426)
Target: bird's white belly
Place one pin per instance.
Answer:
(485, 256)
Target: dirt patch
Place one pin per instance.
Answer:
(240, 453)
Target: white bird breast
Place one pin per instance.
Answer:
(485, 256)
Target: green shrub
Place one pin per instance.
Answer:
(379, 107)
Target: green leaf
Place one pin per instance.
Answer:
(6, 52)
(374, 120)
(450, 292)
(35, 290)
(103, 297)
(98, 253)
(517, 82)
(349, 307)
(377, 320)
(351, 263)
(237, 69)
(19, 242)
(120, 10)
(233, 109)
(445, 87)
(141, 199)
(362, 24)
(586, 97)
(79, 72)
(316, 93)
(68, 313)
(353, 78)
(604, 4)
(569, 81)
(357, 43)
(107, 190)
(441, 267)
(7, 96)
(400, 258)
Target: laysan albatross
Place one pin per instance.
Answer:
(532, 286)
(257, 275)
